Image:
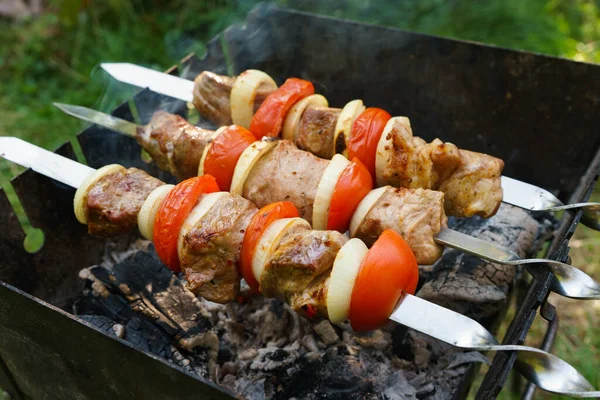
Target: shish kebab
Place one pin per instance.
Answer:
(515, 192)
(193, 225)
(337, 201)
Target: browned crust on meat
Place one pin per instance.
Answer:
(316, 130)
(286, 174)
(211, 96)
(113, 203)
(174, 144)
(471, 181)
(416, 214)
(211, 249)
(298, 265)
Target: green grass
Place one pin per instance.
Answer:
(55, 57)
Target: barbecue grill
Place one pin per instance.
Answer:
(514, 105)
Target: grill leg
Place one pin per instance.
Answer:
(548, 312)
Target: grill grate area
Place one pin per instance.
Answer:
(451, 89)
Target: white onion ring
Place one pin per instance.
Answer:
(243, 93)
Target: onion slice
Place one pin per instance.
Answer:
(197, 213)
(147, 213)
(364, 207)
(208, 145)
(81, 195)
(243, 93)
(247, 160)
(290, 126)
(269, 241)
(343, 127)
(343, 276)
(385, 148)
(325, 190)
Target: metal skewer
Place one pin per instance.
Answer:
(544, 369)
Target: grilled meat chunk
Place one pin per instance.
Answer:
(472, 179)
(114, 202)
(316, 130)
(475, 187)
(175, 144)
(211, 96)
(416, 214)
(298, 268)
(211, 249)
(286, 173)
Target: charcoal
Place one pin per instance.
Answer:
(260, 348)
(475, 287)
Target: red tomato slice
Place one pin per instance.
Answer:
(173, 210)
(365, 134)
(269, 117)
(258, 225)
(388, 269)
(224, 153)
(354, 184)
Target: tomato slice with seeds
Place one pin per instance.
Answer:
(365, 134)
(258, 225)
(224, 153)
(173, 211)
(269, 117)
(388, 269)
(353, 185)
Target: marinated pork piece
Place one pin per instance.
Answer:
(175, 144)
(211, 249)
(473, 179)
(286, 174)
(316, 130)
(416, 214)
(298, 268)
(211, 96)
(114, 201)
(475, 188)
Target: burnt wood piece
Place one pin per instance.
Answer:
(479, 288)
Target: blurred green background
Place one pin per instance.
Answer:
(53, 53)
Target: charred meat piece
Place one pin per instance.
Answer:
(296, 264)
(416, 214)
(316, 130)
(175, 144)
(211, 249)
(211, 96)
(286, 174)
(475, 187)
(470, 180)
(114, 201)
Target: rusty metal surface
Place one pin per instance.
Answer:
(514, 105)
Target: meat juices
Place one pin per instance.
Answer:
(175, 144)
(114, 202)
(286, 174)
(211, 249)
(416, 214)
(211, 96)
(316, 131)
